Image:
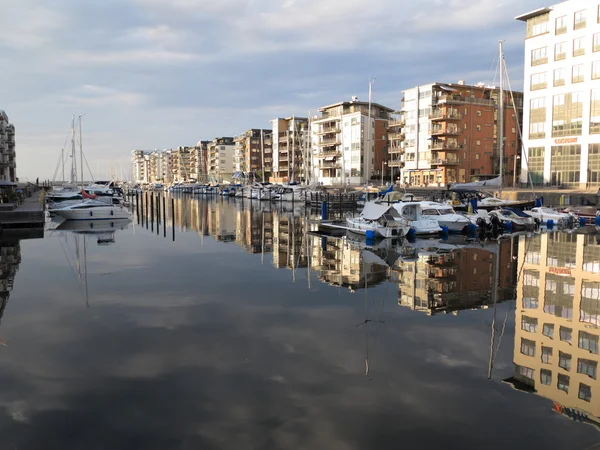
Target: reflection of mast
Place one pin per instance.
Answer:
(495, 287)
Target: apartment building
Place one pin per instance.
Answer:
(252, 148)
(556, 346)
(449, 134)
(221, 158)
(290, 144)
(347, 148)
(199, 161)
(139, 166)
(8, 165)
(562, 95)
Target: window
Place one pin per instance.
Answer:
(478, 113)
(525, 372)
(547, 355)
(538, 25)
(560, 51)
(527, 347)
(577, 74)
(539, 56)
(477, 156)
(548, 330)
(563, 382)
(566, 334)
(546, 377)
(588, 342)
(478, 143)
(478, 127)
(590, 303)
(567, 115)
(564, 361)
(595, 70)
(578, 47)
(559, 77)
(579, 21)
(529, 324)
(596, 42)
(587, 367)
(560, 25)
(538, 81)
(585, 392)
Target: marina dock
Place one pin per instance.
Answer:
(27, 214)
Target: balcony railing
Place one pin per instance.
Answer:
(446, 146)
(396, 123)
(539, 61)
(329, 130)
(441, 131)
(396, 136)
(459, 99)
(330, 165)
(395, 164)
(444, 161)
(396, 151)
(327, 153)
(445, 115)
(329, 142)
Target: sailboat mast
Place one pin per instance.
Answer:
(81, 150)
(73, 162)
(501, 117)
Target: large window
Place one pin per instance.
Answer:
(527, 347)
(560, 25)
(566, 334)
(595, 70)
(577, 75)
(590, 303)
(564, 361)
(595, 112)
(537, 118)
(593, 264)
(589, 342)
(578, 46)
(567, 114)
(563, 382)
(547, 355)
(531, 290)
(596, 42)
(535, 164)
(539, 56)
(529, 324)
(559, 293)
(579, 19)
(546, 377)
(587, 367)
(548, 330)
(585, 392)
(560, 51)
(538, 81)
(538, 25)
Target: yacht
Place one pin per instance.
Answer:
(66, 192)
(518, 220)
(91, 209)
(445, 216)
(423, 225)
(290, 192)
(543, 214)
(380, 220)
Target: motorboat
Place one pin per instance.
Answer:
(66, 192)
(423, 225)
(589, 213)
(460, 200)
(290, 193)
(445, 216)
(369, 194)
(543, 214)
(381, 220)
(92, 209)
(518, 220)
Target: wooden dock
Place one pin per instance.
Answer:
(27, 214)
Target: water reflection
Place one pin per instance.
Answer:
(556, 346)
(10, 258)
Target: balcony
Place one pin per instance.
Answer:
(329, 153)
(441, 145)
(396, 136)
(397, 123)
(444, 161)
(445, 131)
(396, 150)
(268, 160)
(329, 142)
(330, 165)
(395, 164)
(442, 115)
(459, 100)
(329, 130)
(539, 61)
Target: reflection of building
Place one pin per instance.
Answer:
(10, 258)
(449, 133)
(8, 165)
(449, 281)
(341, 264)
(347, 149)
(289, 249)
(254, 230)
(562, 95)
(556, 352)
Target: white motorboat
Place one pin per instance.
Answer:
(543, 214)
(66, 192)
(445, 216)
(422, 225)
(91, 209)
(381, 220)
(517, 221)
(290, 193)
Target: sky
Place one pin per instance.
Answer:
(154, 74)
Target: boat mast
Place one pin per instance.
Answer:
(501, 117)
(73, 162)
(81, 149)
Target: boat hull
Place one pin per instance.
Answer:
(108, 213)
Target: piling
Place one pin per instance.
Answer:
(173, 217)
(164, 216)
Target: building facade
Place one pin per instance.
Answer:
(562, 95)
(8, 165)
(449, 134)
(347, 148)
(253, 154)
(290, 144)
(221, 158)
(557, 318)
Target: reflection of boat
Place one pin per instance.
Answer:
(92, 210)
(92, 226)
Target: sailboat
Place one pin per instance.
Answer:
(464, 195)
(69, 191)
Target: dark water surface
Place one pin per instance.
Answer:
(247, 333)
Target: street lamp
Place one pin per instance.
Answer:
(517, 157)
(383, 163)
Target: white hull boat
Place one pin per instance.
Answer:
(445, 216)
(92, 210)
(422, 225)
(543, 214)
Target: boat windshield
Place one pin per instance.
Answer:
(445, 211)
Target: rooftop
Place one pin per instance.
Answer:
(538, 12)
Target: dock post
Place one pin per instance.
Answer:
(164, 215)
(141, 209)
(152, 211)
(146, 202)
(173, 216)
(324, 211)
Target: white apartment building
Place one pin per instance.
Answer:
(7, 149)
(347, 149)
(140, 163)
(561, 117)
(221, 159)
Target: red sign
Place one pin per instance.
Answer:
(566, 141)
(559, 270)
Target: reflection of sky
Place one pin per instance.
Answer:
(195, 344)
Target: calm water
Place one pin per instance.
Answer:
(246, 332)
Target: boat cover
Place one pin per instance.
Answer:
(373, 211)
(493, 183)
